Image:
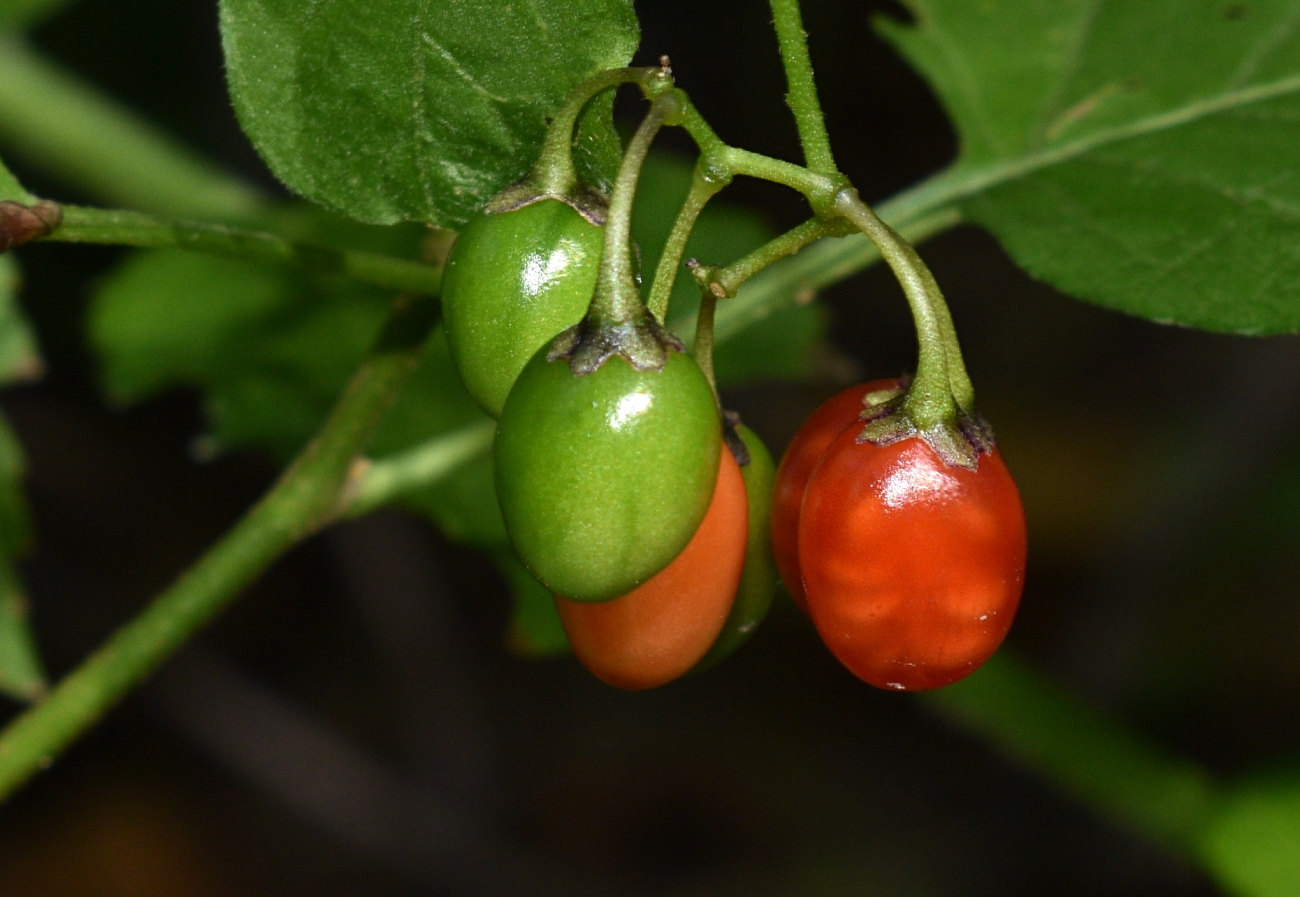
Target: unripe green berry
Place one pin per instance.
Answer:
(512, 282)
(603, 478)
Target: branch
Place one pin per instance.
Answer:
(802, 94)
(308, 495)
(122, 228)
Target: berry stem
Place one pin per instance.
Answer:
(553, 172)
(705, 184)
(942, 387)
(725, 281)
(702, 351)
(617, 299)
(802, 94)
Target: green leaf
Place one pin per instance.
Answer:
(780, 345)
(1137, 155)
(1253, 847)
(420, 110)
(16, 14)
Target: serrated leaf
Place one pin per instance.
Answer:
(1253, 846)
(1137, 155)
(780, 345)
(16, 14)
(421, 110)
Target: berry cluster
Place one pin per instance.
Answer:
(644, 509)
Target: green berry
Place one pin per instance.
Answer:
(513, 281)
(603, 478)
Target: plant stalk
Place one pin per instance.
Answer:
(124, 228)
(309, 494)
(704, 186)
(617, 299)
(801, 96)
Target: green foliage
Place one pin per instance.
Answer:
(1253, 846)
(20, 669)
(25, 13)
(416, 110)
(1137, 155)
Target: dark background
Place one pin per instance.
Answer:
(353, 725)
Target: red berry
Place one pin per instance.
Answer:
(912, 567)
(797, 465)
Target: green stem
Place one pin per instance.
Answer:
(802, 94)
(942, 386)
(554, 172)
(704, 186)
(702, 351)
(122, 228)
(396, 475)
(824, 263)
(617, 299)
(728, 279)
(67, 127)
(1098, 762)
(307, 496)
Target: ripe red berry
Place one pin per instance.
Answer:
(912, 567)
(797, 465)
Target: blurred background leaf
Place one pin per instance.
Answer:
(21, 675)
(1254, 844)
(1136, 155)
(25, 13)
(423, 120)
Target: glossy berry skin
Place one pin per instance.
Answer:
(758, 579)
(512, 282)
(661, 629)
(603, 478)
(912, 568)
(797, 465)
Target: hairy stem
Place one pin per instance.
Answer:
(391, 477)
(617, 298)
(801, 96)
(702, 351)
(59, 123)
(308, 495)
(728, 279)
(122, 228)
(941, 386)
(554, 172)
(704, 186)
